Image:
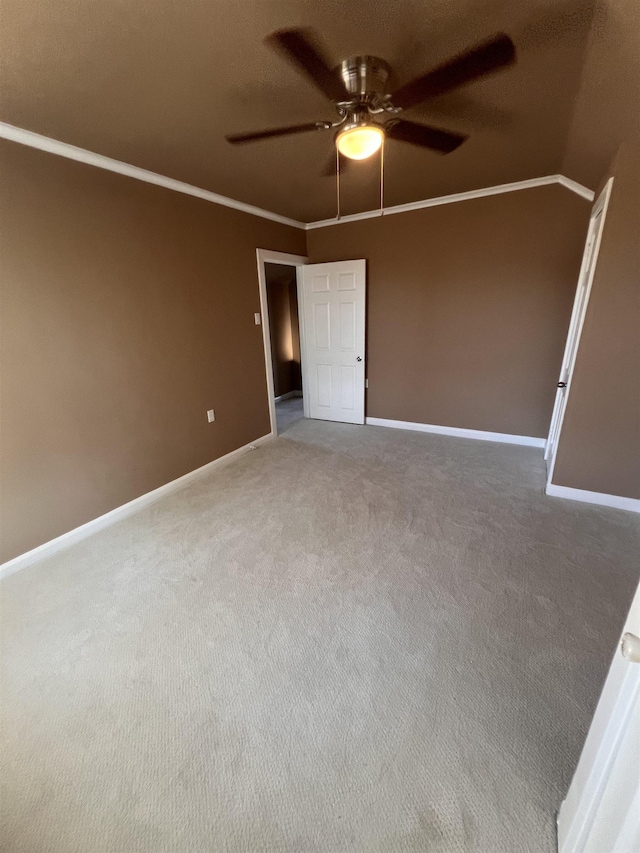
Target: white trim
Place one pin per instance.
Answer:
(450, 199)
(48, 549)
(575, 819)
(575, 187)
(614, 717)
(71, 152)
(481, 435)
(82, 155)
(266, 256)
(597, 498)
(287, 396)
(578, 316)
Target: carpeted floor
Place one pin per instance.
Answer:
(352, 639)
(288, 412)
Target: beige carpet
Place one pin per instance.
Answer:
(353, 639)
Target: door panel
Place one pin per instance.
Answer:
(333, 311)
(321, 325)
(324, 385)
(320, 283)
(347, 326)
(348, 387)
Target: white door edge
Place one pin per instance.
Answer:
(617, 709)
(266, 256)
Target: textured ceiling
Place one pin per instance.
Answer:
(158, 84)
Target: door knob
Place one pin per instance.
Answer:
(562, 384)
(358, 358)
(630, 647)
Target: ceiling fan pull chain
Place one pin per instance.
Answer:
(338, 180)
(382, 177)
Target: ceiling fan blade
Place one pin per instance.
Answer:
(300, 48)
(255, 136)
(493, 55)
(329, 168)
(443, 141)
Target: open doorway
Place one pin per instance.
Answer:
(277, 273)
(314, 346)
(284, 334)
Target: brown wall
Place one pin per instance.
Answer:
(468, 306)
(283, 326)
(599, 446)
(127, 312)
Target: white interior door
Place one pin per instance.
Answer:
(602, 809)
(585, 279)
(333, 334)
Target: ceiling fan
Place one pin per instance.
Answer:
(357, 88)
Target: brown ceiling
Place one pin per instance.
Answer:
(607, 108)
(158, 84)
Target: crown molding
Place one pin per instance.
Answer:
(450, 199)
(575, 187)
(72, 152)
(100, 161)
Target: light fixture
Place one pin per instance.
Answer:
(360, 140)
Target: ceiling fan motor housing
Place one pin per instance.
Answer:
(365, 78)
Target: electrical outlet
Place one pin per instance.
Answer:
(211, 416)
(256, 317)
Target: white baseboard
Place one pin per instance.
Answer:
(79, 533)
(598, 498)
(503, 437)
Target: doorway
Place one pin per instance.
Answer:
(314, 345)
(284, 336)
(277, 277)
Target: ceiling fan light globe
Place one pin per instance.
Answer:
(358, 143)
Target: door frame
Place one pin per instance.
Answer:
(269, 256)
(576, 324)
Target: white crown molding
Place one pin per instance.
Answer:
(71, 152)
(60, 543)
(450, 199)
(597, 498)
(459, 432)
(575, 187)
